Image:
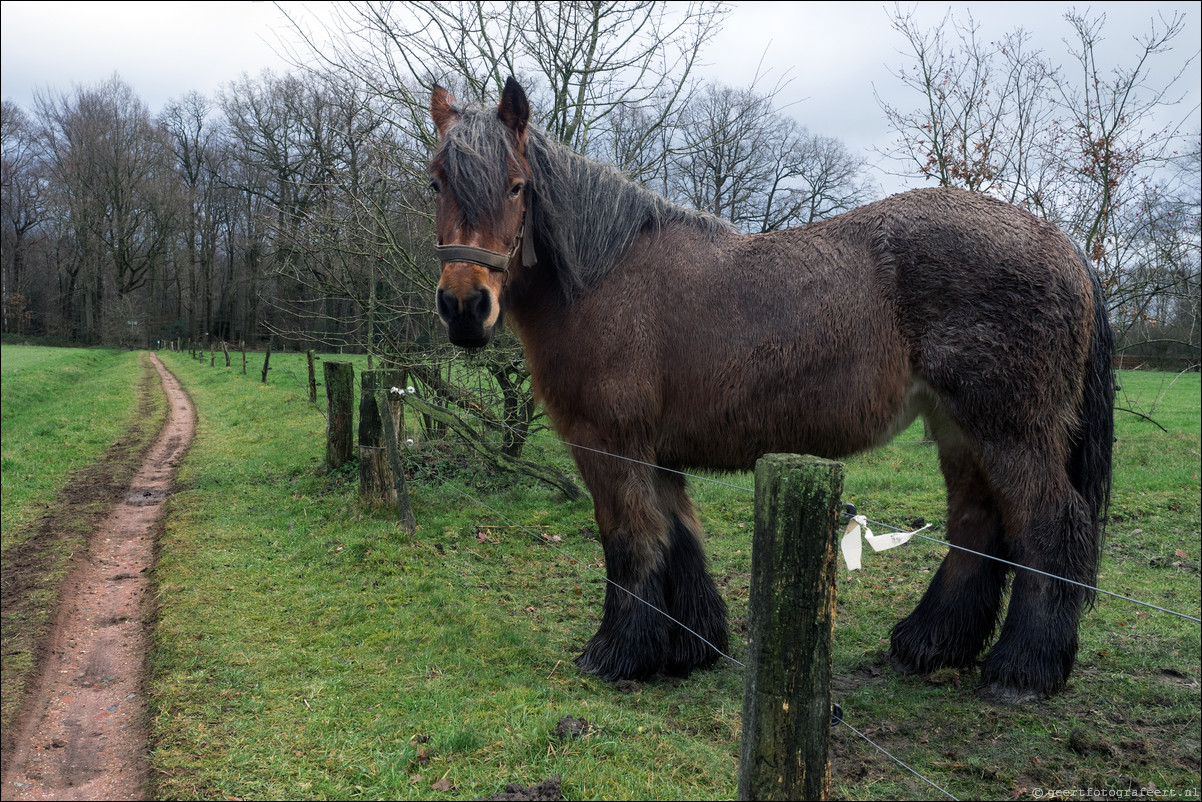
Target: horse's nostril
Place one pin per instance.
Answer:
(480, 305)
(474, 308)
(445, 303)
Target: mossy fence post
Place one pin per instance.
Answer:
(791, 615)
(381, 425)
(340, 390)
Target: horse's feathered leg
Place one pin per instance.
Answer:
(1052, 533)
(655, 565)
(689, 590)
(959, 611)
(632, 640)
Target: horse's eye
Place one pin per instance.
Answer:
(516, 189)
(434, 187)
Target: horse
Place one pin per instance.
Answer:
(658, 336)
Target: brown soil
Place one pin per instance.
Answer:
(82, 730)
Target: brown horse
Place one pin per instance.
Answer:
(666, 337)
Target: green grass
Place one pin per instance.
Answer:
(62, 407)
(306, 650)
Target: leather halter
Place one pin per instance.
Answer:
(496, 261)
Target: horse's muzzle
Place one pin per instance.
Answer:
(465, 318)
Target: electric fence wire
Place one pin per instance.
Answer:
(701, 478)
(939, 788)
(1037, 571)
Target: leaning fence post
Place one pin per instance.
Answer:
(393, 451)
(791, 614)
(266, 361)
(340, 383)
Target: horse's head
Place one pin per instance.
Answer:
(481, 176)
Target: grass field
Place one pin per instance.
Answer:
(62, 407)
(307, 650)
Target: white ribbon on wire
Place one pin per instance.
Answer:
(852, 548)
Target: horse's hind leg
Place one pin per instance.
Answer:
(1052, 533)
(959, 610)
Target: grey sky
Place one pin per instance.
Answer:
(831, 54)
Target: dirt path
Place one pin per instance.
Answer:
(83, 730)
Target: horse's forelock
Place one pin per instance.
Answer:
(475, 155)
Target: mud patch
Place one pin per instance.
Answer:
(547, 791)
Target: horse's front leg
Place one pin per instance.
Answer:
(697, 635)
(657, 573)
(631, 642)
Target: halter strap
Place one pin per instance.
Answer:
(496, 261)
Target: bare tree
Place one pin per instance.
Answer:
(1080, 145)
(580, 62)
(109, 162)
(21, 207)
(740, 159)
(985, 121)
(196, 145)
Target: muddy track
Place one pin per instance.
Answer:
(82, 731)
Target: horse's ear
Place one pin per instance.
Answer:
(514, 109)
(442, 109)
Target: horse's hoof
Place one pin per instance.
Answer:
(612, 667)
(902, 665)
(1009, 683)
(1000, 693)
(909, 649)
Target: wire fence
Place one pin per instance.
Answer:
(301, 380)
(836, 716)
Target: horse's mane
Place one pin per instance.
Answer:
(584, 214)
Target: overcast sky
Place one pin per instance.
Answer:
(832, 54)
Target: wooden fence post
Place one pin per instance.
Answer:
(312, 378)
(242, 343)
(340, 384)
(266, 360)
(791, 614)
(376, 486)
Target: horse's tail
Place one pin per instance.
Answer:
(1089, 462)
